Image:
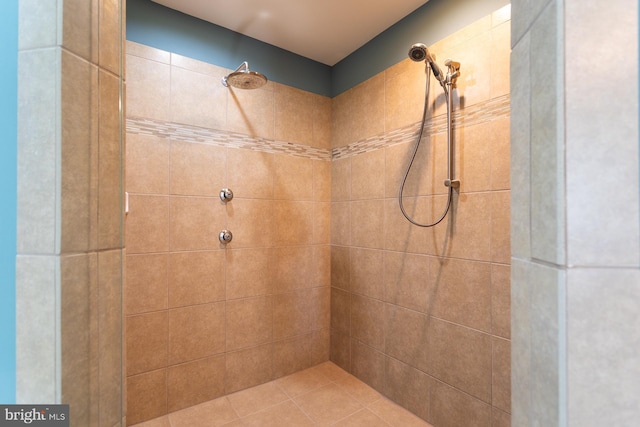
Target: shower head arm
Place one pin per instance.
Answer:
(242, 67)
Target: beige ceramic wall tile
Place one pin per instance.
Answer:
(195, 332)
(197, 99)
(250, 173)
(472, 229)
(461, 357)
(474, 83)
(291, 355)
(201, 67)
(294, 115)
(147, 342)
(147, 52)
(197, 169)
(322, 116)
(195, 382)
(405, 336)
(110, 339)
(340, 311)
(148, 88)
(78, 28)
(367, 175)
(406, 280)
(249, 367)
(367, 224)
(500, 50)
(196, 278)
(367, 109)
(407, 386)
(322, 223)
(196, 223)
(147, 164)
(341, 179)
(147, 224)
(292, 223)
(340, 119)
(460, 292)
(340, 267)
(292, 267)
(293, 178)
(146, 396)
(501, 15)
(322, 265)
(473, 146)
(404, 93)
(340, 349)
(111, 150)
(367, 364)
(251, 222)
(111, 36)
(252, 112)
(365, 321)
(322, 180)
(500, 154)
(291, 315)
(501, 300)
(249, 322)
(428, 170)
(146, 286)
(77, 142)
(366, 272)
(77, 320)
(318, 303)
(501, 374)
(400, 234)
(450, 407)
(500, 232)
(248, 273)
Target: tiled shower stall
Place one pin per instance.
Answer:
(322, 265)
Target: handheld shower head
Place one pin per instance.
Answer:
(419, 52)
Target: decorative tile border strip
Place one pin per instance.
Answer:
(200, 135)
(493, 109)
(483, 112)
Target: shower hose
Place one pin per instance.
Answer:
(448, 182)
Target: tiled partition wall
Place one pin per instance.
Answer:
(203, 320)
(423, 314)
(576, 236)
(69, 263)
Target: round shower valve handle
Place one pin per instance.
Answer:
(225, 236)
(226, 195)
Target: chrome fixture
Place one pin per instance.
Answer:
(226, 195)
(419, 53)
(243, 78)
(225, 236)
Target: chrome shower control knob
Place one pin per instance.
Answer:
(226, 195)
(225, 236)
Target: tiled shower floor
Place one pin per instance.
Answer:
(324, 395)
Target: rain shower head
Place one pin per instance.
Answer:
(419, 52)
(243, 78)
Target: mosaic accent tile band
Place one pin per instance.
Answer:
(493, 109)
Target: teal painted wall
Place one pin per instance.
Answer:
(429, 23)
(8, 189)
(163, 28)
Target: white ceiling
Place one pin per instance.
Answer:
(323, 30)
